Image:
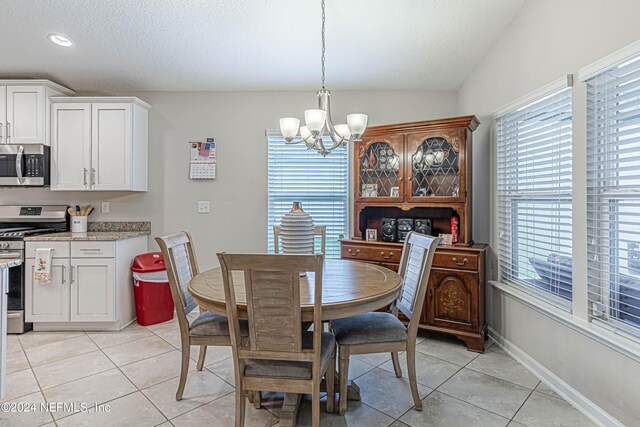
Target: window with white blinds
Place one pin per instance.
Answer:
(613, 195)
(320, 183)
(534, 185)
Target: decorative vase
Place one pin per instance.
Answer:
(296, 231)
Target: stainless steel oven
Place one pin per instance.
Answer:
(16, 223)
(24, 165)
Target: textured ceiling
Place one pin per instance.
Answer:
(194, 45)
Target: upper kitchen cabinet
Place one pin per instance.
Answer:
(99, 143)
(25, 110)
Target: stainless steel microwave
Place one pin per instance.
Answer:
(24, 165)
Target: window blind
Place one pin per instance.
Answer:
(613, 195)
(534, 184)
(320, 183)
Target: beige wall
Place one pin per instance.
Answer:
(549, 39)
(237, 121)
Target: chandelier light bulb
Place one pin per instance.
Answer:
(357, 123)
(289, 127)
(314, 119)
(343, 131)
(305, 133)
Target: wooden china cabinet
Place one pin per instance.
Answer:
(422, 170)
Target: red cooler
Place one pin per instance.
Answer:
(154, 303)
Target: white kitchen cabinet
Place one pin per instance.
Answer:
(91, 286)
(25, 108)
(99, 144)
(48, 302)
(92, 290)
(71, 154)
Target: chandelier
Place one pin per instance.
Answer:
(318, 121)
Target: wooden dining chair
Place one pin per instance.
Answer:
(279, 355)
(207, 328)
(379, 332)
(318, 230)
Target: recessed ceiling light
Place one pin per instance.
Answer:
(60, 40)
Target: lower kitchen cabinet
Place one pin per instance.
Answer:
(454, 302)
(91, 286)
(48, 302)
(92, 290)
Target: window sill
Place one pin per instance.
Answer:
(623, 345)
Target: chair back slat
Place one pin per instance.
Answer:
(272, 289)
(182, 266)
(183, 273)
(415, 268)
(273, 303)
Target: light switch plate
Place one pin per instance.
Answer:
(203, 206)
(104, 207)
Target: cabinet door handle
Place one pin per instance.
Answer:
(92, 178)
(90, 249)
(430, 294)
(8, 131)
(357, 251)
(85, 176)
(386, 256)
(71, 275)
(465, 261)
(63, 281)
(1, 132)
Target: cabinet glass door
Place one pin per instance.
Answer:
(380, 168)
(434, 169)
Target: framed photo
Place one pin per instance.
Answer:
(395, 192)
(369, 190)
(372, 235)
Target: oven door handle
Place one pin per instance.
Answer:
(19, 165)
(10, 255)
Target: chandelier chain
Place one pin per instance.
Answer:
(323, 43)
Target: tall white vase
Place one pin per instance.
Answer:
(296, 231)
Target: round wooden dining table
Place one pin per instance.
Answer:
(348, 288)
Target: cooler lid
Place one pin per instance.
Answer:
(148, 263)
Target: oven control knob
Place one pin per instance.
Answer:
(4, 245)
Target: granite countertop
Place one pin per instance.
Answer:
(91, 235)
(99, 230)
(9, 263)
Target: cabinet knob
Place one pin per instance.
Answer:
(465, 261)
(400, 178)
(354, 253)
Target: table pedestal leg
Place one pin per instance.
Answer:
(291, 403)
(289, 411)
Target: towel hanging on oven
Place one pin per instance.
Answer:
(42, 270)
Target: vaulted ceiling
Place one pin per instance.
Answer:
(195, 45)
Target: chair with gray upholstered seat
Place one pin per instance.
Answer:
(380, 332)
(207, 328)
(279, 354)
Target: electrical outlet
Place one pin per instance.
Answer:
(104, 207)
(203, 206)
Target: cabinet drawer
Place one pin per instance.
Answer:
(92, 249)
(461, 261)
(60, 249)
(362, 253)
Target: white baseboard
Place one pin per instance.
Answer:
(570, 394)
(77, 326)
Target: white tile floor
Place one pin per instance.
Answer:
(136, 371)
